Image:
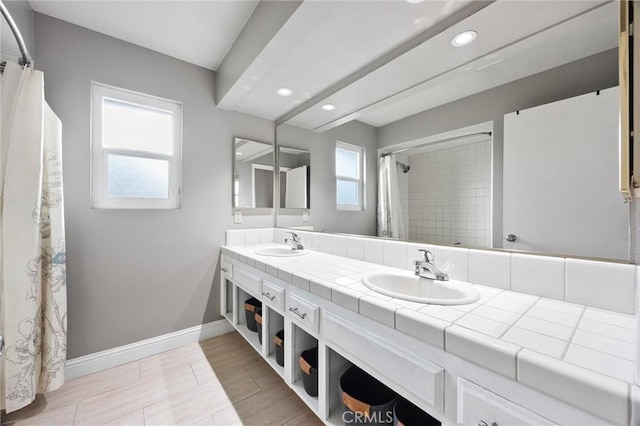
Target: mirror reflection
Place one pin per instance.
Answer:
(252, 174)
(438, 191)
(295, 175)
(539, 171)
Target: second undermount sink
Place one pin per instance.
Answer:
(407, 286)
(281, 252)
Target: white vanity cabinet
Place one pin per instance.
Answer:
(449, 388)
(404, 371)
(479, 406)
(304, 312)
(249, 281)
(273, 295)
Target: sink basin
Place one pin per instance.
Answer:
(281, 252)
(407, 286)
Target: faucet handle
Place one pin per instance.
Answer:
(428, 256)
(294, 236)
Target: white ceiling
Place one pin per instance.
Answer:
(199, 32)
(578, 38)
(323, 44)
(435, 73)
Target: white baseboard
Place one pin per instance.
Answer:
(103, 360)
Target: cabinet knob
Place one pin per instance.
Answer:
(224, 269)
(512, 239)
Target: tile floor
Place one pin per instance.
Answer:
(220, 381)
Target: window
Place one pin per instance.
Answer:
(349, 180)
(136, 144)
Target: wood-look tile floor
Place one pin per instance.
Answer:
(220, 381)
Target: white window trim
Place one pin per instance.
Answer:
(99, 154)
(361, 183)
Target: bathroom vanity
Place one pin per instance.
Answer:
(478, 363)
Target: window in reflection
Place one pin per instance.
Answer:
(349, 183)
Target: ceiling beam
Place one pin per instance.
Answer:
(266, 20)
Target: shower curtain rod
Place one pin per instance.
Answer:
(26, 58)
(436, 142)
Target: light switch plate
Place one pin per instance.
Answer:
(305, 216)
(237, 217)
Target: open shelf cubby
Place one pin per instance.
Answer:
(337, 365)
(300, 342)
(274, 324)
(250, 336)
(228, 302)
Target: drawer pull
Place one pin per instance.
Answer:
(295, 311)
(269, 296)
(224, 269)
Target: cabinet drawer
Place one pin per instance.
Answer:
(421, 378)
(251, 283)
(479, 406)
(303, 312)
(273, 295)
(227, 270)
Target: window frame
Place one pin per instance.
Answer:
(360, 150)
(100, 198)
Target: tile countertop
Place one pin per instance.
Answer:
(514, 334)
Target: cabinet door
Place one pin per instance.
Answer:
(479, 406)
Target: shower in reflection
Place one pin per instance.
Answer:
(405, 168)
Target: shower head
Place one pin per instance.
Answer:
(405, 168)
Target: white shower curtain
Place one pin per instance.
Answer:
(390, 223)
(33, 299)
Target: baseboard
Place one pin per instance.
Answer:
(103, 360)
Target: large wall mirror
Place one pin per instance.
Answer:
(512, 144)
(253, 166)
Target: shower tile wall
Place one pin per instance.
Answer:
(449, 195)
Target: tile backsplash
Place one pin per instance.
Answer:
(605, 285)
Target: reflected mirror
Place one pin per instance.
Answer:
(510, 144)
(252, 174)
(295, 177)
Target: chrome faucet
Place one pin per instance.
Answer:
(427, 268)
(294, 241)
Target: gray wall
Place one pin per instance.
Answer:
(599, 71)
(132, 274)
(323, 213)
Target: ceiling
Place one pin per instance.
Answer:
(376, 61)
(199, 32)
(507, 48)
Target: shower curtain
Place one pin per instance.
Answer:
(390, 223)
(33, 299)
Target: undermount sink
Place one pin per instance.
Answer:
(281, 252)
(408, 286)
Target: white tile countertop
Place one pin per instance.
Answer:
(569, 351)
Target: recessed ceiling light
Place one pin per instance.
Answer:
(464, 38)
(328, 107)
(238, 153)
(414, 1)
(283, 91)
